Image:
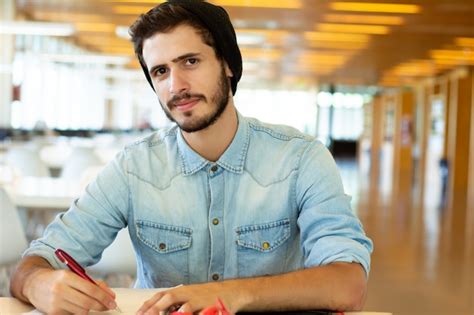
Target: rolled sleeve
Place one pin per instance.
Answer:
(330, 231)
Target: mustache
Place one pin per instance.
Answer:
(184, 96)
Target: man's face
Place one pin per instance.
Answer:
(191, 83)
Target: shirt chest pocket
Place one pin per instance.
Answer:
(166, 252)
(262, 248)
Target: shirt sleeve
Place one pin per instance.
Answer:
(93, 220)
(330, 231)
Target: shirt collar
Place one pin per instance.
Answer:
(232, 159)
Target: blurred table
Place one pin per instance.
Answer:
(39, 199)
(43, 192)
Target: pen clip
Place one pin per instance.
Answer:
(73, 265)
(68, 260)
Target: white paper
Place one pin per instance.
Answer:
(128, 300)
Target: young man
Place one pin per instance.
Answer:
(228, 206)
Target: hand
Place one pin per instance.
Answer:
(193, 298)
(62, 292)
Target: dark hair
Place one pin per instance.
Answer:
(162, 19)
(211, 22)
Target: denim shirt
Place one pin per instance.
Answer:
(272, 203)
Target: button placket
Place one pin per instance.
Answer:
(216, 228)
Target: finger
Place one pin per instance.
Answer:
(149, 303)
(186, 309)
(91, 290)
(106, 288)
(82, 300)
(70, 308)
(168, 302)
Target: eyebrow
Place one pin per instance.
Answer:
(175, 60)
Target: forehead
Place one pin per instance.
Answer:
(161, 48)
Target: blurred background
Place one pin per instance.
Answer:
(387, 86)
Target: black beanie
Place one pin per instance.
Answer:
(217, 21)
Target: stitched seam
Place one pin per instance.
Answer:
(272, 183)
(152, 184)
(260, 227)
(277, 135)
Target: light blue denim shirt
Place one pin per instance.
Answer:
(272, 203)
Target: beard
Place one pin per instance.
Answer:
(219, 101)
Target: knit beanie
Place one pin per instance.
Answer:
(217, 21)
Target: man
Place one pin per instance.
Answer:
(228, 206)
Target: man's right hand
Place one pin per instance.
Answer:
(59, 291)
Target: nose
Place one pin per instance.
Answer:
(178, 82)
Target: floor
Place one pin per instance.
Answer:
(416, 268)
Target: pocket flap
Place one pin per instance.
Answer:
(162, 237)
(263, 237)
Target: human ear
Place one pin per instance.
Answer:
(228, 72)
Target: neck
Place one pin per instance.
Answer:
(211, 142)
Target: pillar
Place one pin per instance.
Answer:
(402, 148)
(376, 140)
(423, 129)
(458, 147)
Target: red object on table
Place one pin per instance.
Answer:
(218, 309)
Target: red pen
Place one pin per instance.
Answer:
(76, 268)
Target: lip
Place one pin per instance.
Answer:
(186, 105)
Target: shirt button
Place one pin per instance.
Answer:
(266, 245)
(215, 277)
(215, 221)
(214, 168)
(162, 246)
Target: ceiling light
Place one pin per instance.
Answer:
(353, 28)
(461, 55)
(88, 59)
(364, 19)
(130, 9)
(375, 7)
(66, 16)
(258, 53)
(338, 45)
(36, 28)
(319, 59)
(465, 41)
(280, 4)
(336, 37)
(122, 32)
(250, 39)
(95, 27)
(259, 36)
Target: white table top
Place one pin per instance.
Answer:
(43, 192)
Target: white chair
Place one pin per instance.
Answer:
(12, 234)
(26, 162)
(118, 258)
(80, 159)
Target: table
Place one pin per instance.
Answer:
(38, 199)
(129, 300)
(46, 193)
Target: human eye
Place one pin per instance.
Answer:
(160, 71)
(192, 61)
